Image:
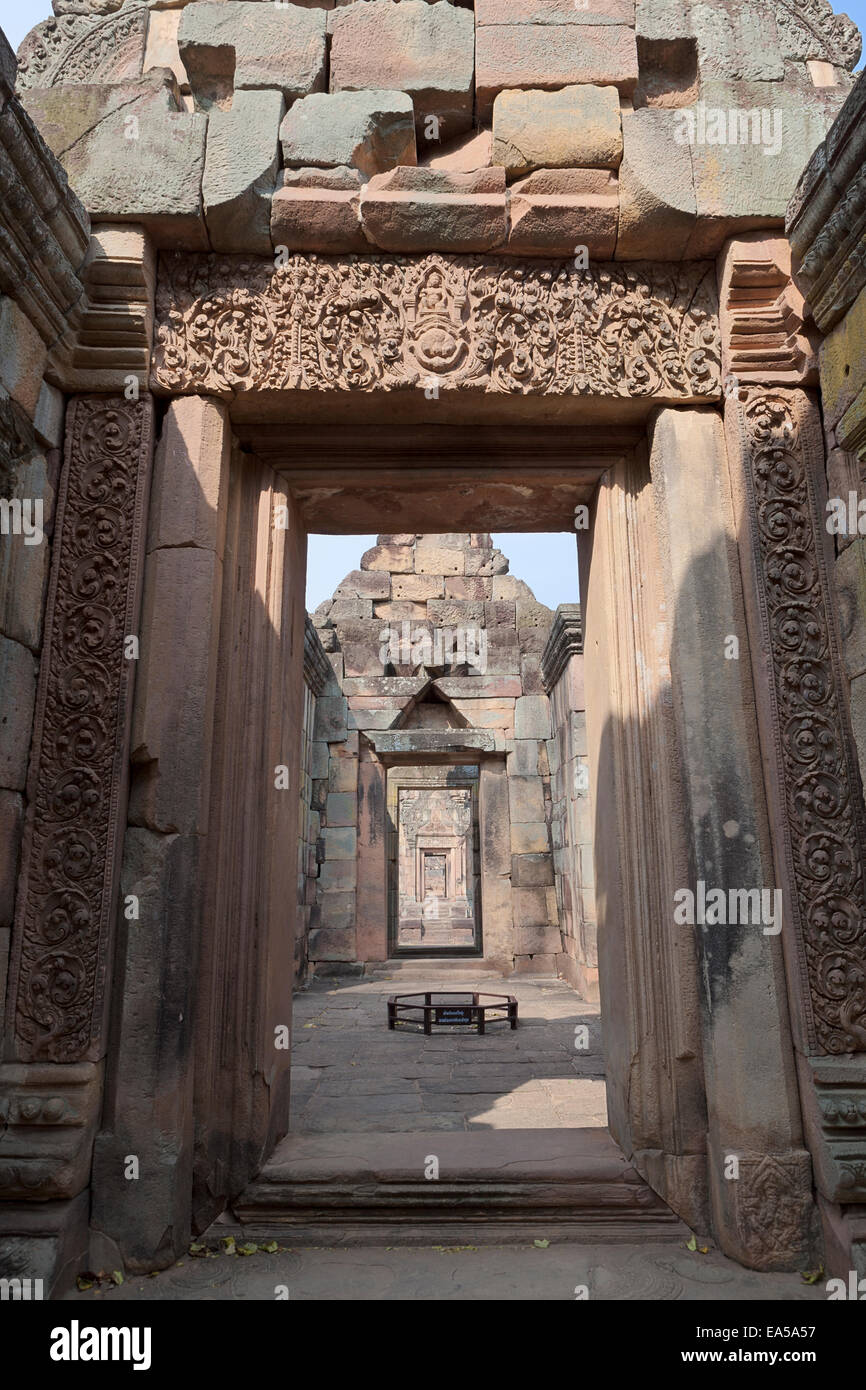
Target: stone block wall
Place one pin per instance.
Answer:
(40, 300)
(436, 655)
(528, 127)
(571, 818)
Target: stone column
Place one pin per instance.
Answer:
(759, 1172)
(648, 978)
(148, 1120)
(67, 899)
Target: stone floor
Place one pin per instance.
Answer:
(549, 1273)
(349, 1073)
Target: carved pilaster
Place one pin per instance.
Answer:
(78, 764)
(776, 435)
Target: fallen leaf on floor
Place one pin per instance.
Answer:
(541, 1244)
(811, 1276)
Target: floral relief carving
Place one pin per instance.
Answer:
(77, 765)
(812, 739)
(233, 324)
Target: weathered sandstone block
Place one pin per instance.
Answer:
(22, 356)
(187, 502)
(843, 362)
(417, 586)
(433, 558)
(466, 155)
(749, 143)
(426, 50)
(657, 206)
(537, 12)
(162, 50)
(371, 584)
(555, 210)
(551, 55)
(372, 131)
(234, 44)
(398, 559)
(240, 167)
(575, 127)
(425, 209)
(174, 698)
(532, 870)
(318, 210)
(130, 153)
(532, 717)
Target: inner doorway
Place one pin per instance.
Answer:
(434, 894)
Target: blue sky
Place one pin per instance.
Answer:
(546, 562)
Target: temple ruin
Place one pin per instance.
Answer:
(269, 271)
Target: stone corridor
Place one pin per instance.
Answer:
(349, 1073)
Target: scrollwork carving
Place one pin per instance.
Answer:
(65, 899)
(812, 741)
(236, 324)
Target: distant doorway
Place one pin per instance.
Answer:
(434, 871)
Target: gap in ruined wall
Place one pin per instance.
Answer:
(668, 72)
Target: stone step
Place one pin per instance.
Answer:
(429, 967)
(499, 1185)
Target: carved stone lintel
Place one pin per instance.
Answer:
(232, 324)
(78, 764)
(777, 433)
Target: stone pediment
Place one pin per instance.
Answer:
(230, 324)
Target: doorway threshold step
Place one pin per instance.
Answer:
(498, 1185)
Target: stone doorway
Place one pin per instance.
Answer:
(434, 893)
